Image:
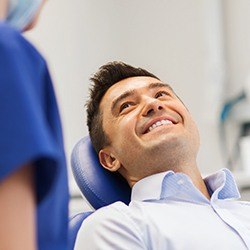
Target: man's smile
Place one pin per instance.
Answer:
(157, 122)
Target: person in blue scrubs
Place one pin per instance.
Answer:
(33, 176)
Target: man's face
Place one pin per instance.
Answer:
(149, 128)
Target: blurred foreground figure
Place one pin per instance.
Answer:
(33, 180)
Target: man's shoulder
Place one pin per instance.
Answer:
(117, 213)
(113, 211)
(98, 229)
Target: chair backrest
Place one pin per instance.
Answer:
(75, 223)
(99, 186)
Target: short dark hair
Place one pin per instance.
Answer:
(102, 80)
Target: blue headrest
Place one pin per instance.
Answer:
(100, 186)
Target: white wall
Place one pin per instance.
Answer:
(182, 42)
(237, 34)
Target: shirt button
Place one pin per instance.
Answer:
(180, 182)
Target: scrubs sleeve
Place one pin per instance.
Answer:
(25, 131)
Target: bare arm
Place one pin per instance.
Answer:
(17, 211)
(3, 8)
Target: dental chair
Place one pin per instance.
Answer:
(99, 186)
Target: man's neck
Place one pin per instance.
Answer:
(190, 170)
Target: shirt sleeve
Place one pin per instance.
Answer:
(25, 136)
(109, 228)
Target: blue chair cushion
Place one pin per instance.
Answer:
(99, 186)
(74, 225)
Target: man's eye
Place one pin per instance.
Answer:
(125, 105)
(160, 94)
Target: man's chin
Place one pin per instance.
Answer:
(160, 136)
(164, 142)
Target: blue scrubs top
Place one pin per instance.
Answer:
(30, 132)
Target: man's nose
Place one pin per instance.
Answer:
(151, 107)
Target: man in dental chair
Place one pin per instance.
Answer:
(142, 130)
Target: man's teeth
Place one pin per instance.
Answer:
(159, 123)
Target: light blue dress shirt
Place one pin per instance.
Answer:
(168, 212)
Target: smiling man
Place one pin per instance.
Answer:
(141, 129)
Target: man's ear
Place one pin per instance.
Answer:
(108, 160)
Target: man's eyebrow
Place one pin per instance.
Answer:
(122, 97)
(132, 92)
(159, 85)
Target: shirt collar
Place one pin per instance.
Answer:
(149, 187)
(179, 186)
(222, 185)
